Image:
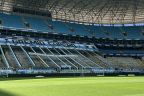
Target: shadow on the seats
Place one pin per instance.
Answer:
(4, 93)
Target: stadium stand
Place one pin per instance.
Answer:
(12, 21)
(43, 25)
(33, 41)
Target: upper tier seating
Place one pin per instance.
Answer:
(57, 26)
(114, 32)
(48, 25)
(13, 21)
(37, 23)
(79, 29)
(133, 32)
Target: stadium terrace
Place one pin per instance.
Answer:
(71, 37)
(71, 47)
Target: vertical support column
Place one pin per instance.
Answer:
(57, 57)
(18, 63)
(87, 58)
(51, 59)
(32, 62)
(72, 58)
(66, 59)
(4, 57)
(40, 58)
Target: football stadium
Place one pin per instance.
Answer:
(71, 47)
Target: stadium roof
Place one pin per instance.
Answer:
(91, 11)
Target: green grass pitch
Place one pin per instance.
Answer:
(86, 86)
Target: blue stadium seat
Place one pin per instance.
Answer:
(43, 25)
(79, 29)
(133, 32)
(114, 32)
(13, 21)
(58, 26)
(38, 24)
(97, 31)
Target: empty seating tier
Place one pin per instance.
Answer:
(47, 25)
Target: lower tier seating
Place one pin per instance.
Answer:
(64, 59)
(126, 63)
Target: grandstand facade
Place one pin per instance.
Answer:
(71, 36)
